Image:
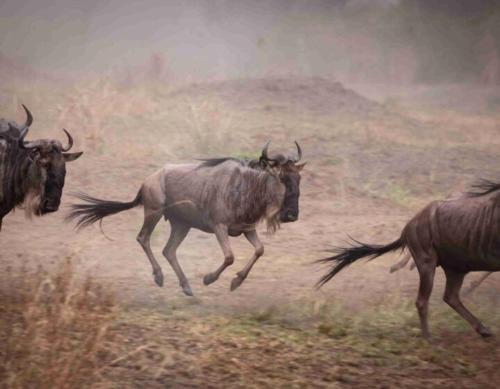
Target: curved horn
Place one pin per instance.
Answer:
(299, 152)
(70, 141)
(23, 131)
(264, 151)
(29, 117)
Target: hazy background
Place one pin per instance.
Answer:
(350, 40)
(395, 104)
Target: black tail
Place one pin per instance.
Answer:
(96, 209)
(345, 256)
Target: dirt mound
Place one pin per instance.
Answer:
(314, 94)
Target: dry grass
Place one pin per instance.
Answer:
(209, 124)
(51, 329)
(307, 343)
(94, 105)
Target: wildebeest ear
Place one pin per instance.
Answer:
(300, 166)
(68, 157)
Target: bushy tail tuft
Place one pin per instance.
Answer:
(97, 209)
(347, 255)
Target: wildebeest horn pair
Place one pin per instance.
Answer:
(265, 157)
(32, 145)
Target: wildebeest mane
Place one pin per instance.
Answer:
(483, 187)
(212, 162)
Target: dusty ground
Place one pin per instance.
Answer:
(372, 164)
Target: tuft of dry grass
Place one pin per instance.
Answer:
(210, 125)
(52, 329)
(94, 106)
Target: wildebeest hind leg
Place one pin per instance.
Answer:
(426, 265)
(221, 232)
(177, 234)
(151, 219)
(253, 238)
(451, 296)
(401, 264)
(474, 284)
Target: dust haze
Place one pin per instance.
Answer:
(395, 103)
(380, 41)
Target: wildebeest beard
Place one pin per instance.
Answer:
(253, 196)
(34, 191)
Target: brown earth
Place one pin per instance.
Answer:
(371, 166)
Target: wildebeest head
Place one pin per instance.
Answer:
(46, 172)
(287, 169)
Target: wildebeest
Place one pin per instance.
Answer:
(31, 172)
(460, 234)
(224, 196)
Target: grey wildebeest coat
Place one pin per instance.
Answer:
(461, 234)
(32, 173)
(225, 196)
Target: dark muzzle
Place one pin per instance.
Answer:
(289, 216)
(49, 206)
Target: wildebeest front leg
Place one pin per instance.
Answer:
(454, 282)
(221, 232)
(177, 234)
(253, 238)
(151, 219)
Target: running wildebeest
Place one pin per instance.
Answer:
(224, 196)
(460, 234)
(31, 172)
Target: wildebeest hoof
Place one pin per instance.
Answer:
(484, 332)
(428, 338)
(236, 282)
(158, 278)
(187, 290)
(209, 278)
